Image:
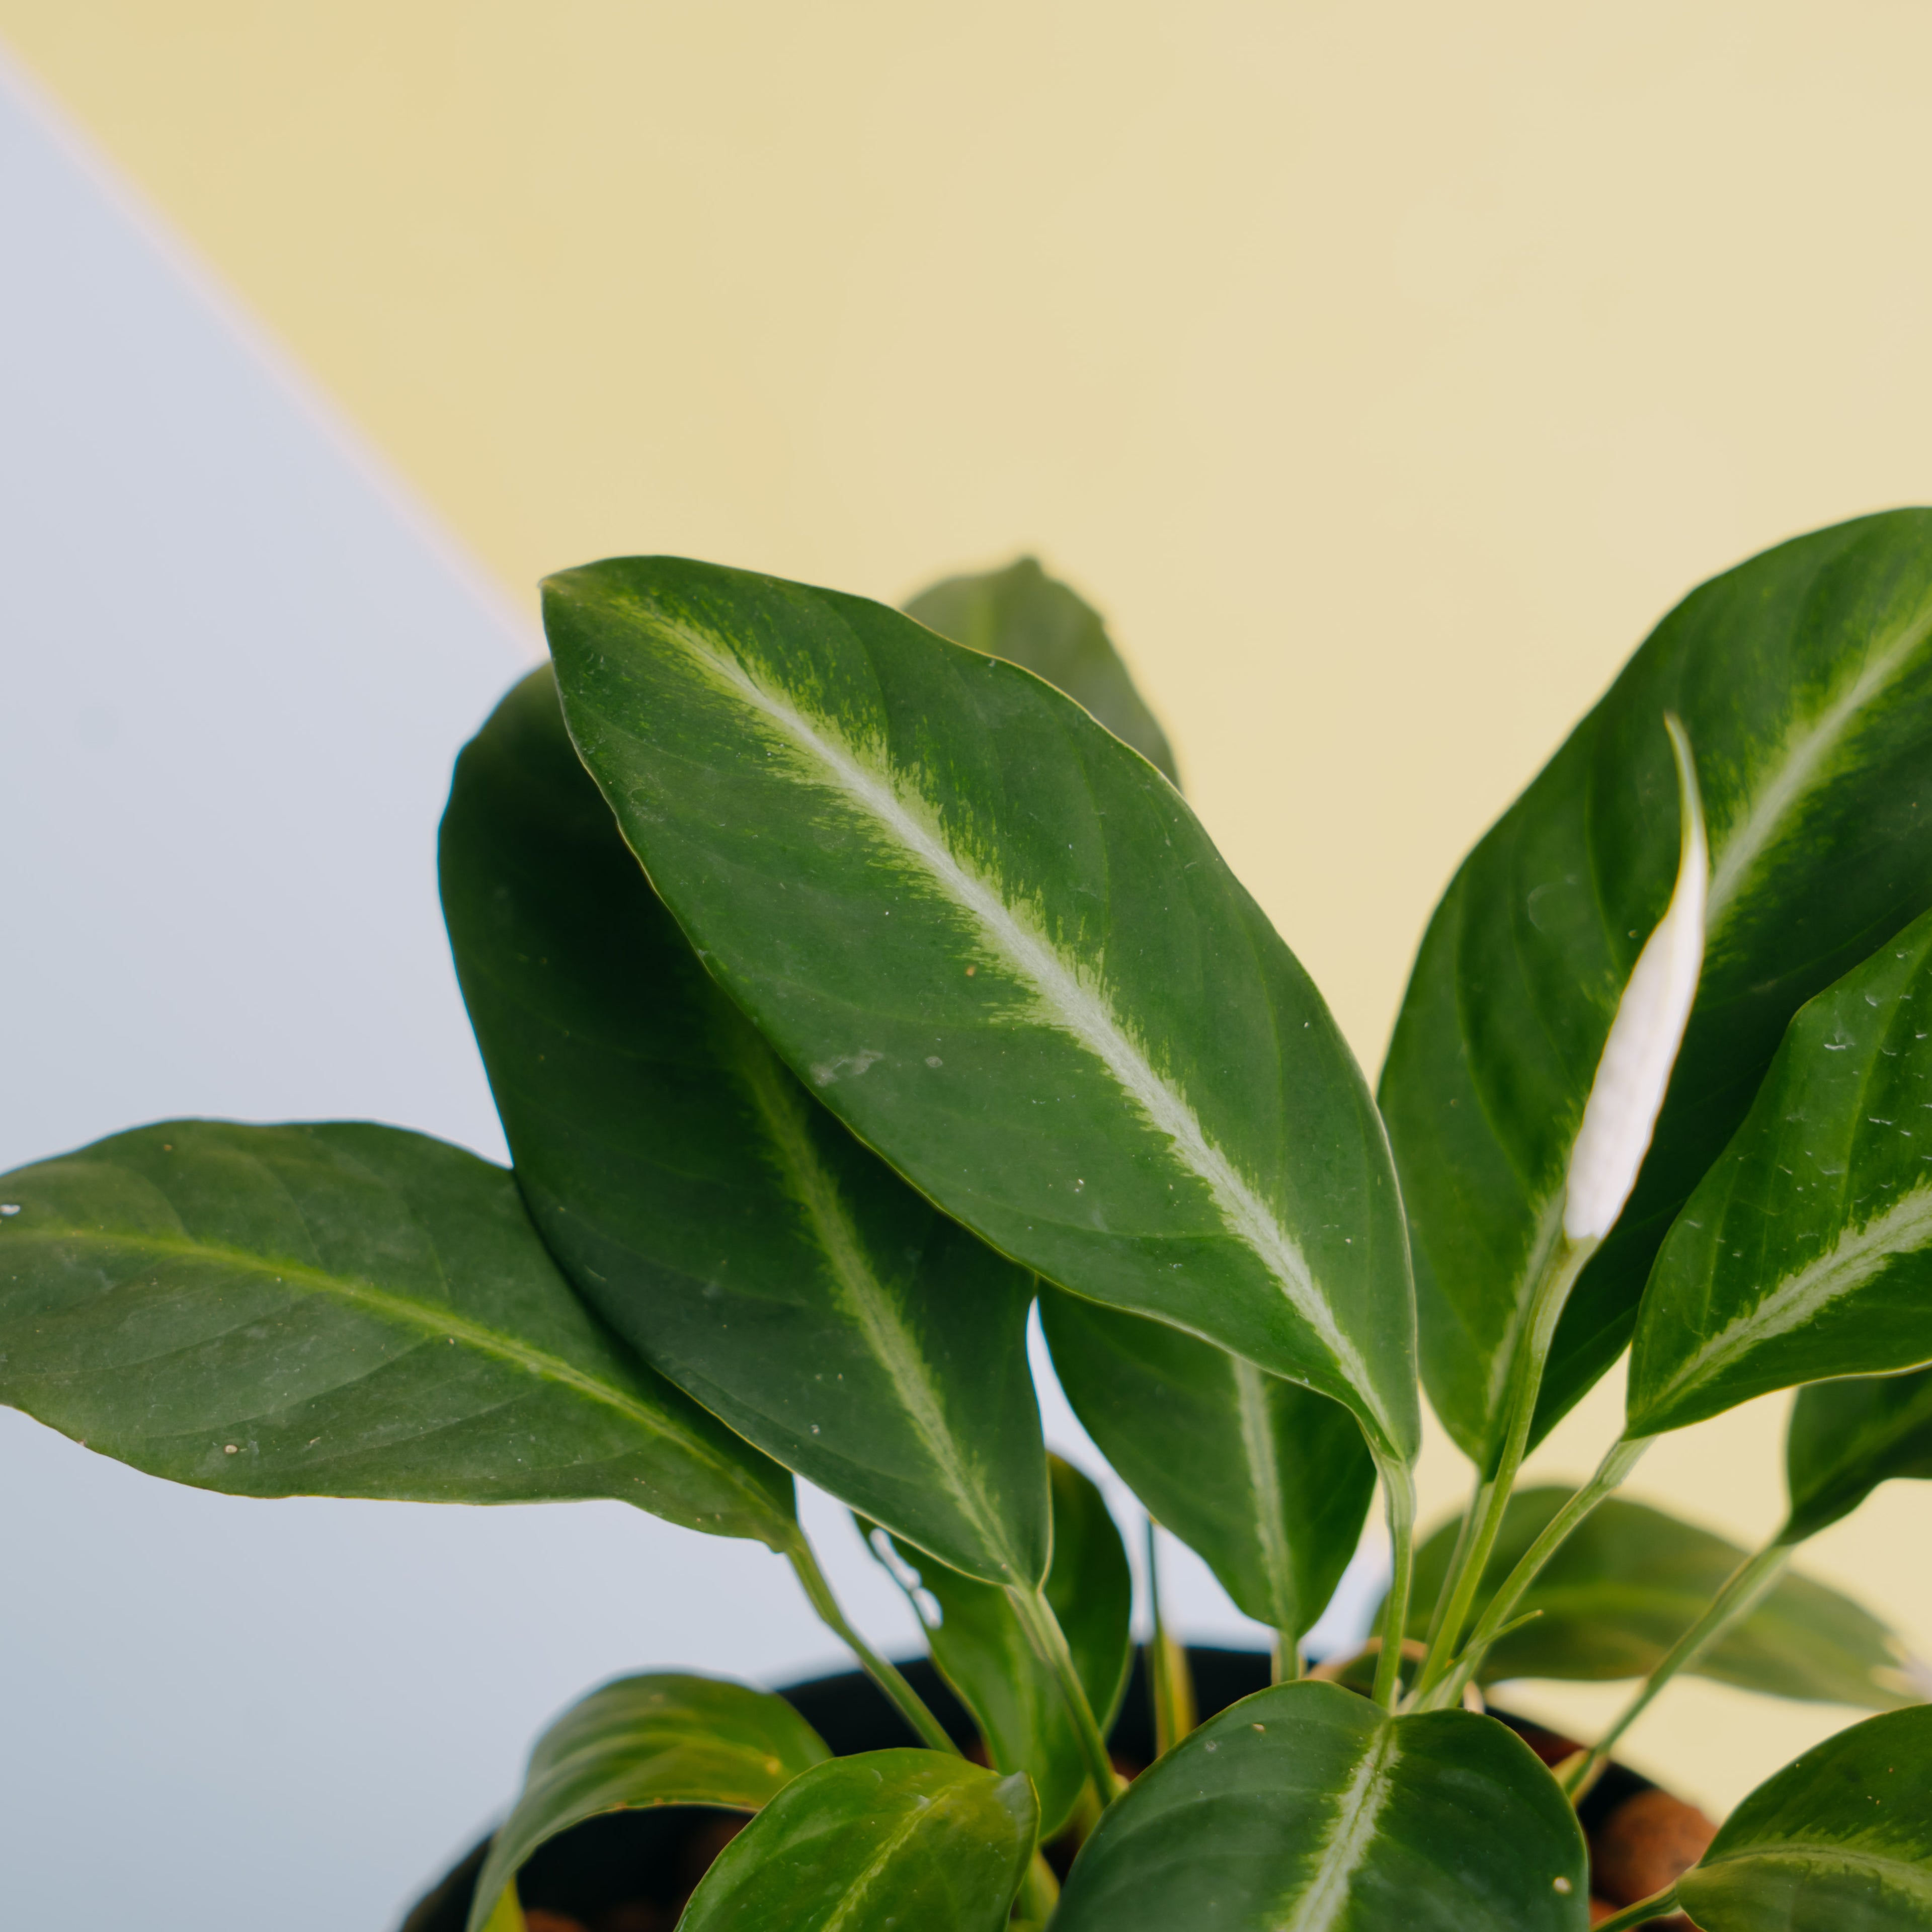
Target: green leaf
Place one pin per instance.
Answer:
(719, 1219)
(909, 1840)
(663, 1739)
(1846, 1438)
(1030, 619)
(1268, 1482)
(1631, 1580)
(982, 1648)
(339, 1310)
(1806, 1252)
(1004, 950)
(1804, 680)
(1306, 1806)
(1839, 1840)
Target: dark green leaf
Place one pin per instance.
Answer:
(1631, 1580)
(1001, 948)
(340, 1310)
(663, 1739)
(909, 1840)
(1805, 678)
(1846, 1437)
(982, 1648)
(1306, 1807)
(1839, 1840)
(1267, 1481)
(1806, 1252)
(1030, 619)
(718, 1217)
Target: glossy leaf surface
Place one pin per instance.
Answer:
(1305, 1806)
(666, 1738)
(1030, 619)
(1839, 1840)
(1001, 946)
(1631, 1580)
(339, 1310)
(1805, 680)
(1267, 1481)
(1846, 1438)
(718, 1217)
(890, 1839)
(1806, 1252)
(982, 1648)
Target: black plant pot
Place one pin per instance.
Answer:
(632, 1871)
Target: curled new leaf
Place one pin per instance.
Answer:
(1000, 947)
(668, 1738)
(340, 1310)
(1306, 1806)
(718, 1218)
(1806, 1252)
(886, 1841)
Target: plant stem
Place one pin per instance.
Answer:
(910, 1704)
(1043, 1632)
(1399, 1500)
(1562, 1262)
(1743, 1590)
(1478, 1506)
(1040, 1890)
(1170, 1683)
(1622, 1459)
(1659, 1905)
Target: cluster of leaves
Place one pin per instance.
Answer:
(850, 982)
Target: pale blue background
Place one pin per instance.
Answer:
(235, 664)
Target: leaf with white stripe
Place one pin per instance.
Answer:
(1846, 1438)
(1806, 1252)
(1267, 1481)
(1839, 1840)
(1022, 614)
(1003, 949)
(885, 1841)
(1304, 1808)
(340, 1310)
(714, 1214)
(1803, 680)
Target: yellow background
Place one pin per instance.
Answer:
(1384, 371)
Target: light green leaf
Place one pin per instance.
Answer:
(1002, 949)
(718, 1218)
(1846, 1438)
(1806, 1252)
(912, 1841)
(982, 1648)
(1622, 1590)
(1030, 619)
(662, 1739)
(1305, 1806)
(339, 1310)
(1839, 1840)
(1267, 1481)
(1805, 680)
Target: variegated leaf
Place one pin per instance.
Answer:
(1803, 679)
(1000, 946)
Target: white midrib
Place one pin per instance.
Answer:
(1799, 1298)
(1258, 1445)
(1340, 1854)
(1795, 771)
(1896, 1874)
(891, 1343)
(1068, 1005)
(854, 1896)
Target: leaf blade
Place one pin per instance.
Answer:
(721, 1222)
(373, 1294)
(1846, 1438)
(886, 888)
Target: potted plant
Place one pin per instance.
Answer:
(849, 982)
